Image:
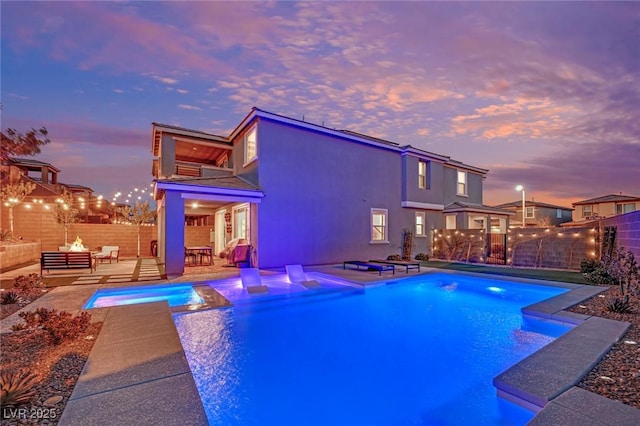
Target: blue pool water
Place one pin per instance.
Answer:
(175, 295)
(420, 352)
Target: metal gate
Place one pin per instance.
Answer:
(496, 249)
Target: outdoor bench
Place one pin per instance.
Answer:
(408, 265)
(369, 266)
(65, 260)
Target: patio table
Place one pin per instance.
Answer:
(200, 253)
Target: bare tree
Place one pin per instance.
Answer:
(141, 213)
(65, 214)
(13, 194)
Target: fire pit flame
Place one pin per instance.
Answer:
(77, 245)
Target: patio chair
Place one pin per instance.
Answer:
(297, 276)
(108, 252)
(189, 254)
(251, 281)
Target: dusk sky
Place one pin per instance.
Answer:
(544, 94)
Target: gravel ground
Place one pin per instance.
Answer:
(617, 376)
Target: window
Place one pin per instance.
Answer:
(462, 183)
(559, 213)
(450, 221)
(625, 208)
(423, 175)
(420, 224)
(251, 145)
(529, 213)
(241, 221)
(379, 226)
(587, 211)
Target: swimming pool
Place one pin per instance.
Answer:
(175, 295)
(421, 351)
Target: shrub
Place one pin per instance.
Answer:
(59, 326)
(394, 257)
(16, 387)
(27, 283)
(589, 265)
(10, 297)
(422, 256)
(620, 305)
(600, 275)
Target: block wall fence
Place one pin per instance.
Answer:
(37, 224)
(627, 230)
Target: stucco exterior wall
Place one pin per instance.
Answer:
(450, 183)
(319, 192)
(434, 194)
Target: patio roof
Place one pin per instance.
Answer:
(220, 188)
(475, 208)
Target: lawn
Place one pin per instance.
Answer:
(538, 274)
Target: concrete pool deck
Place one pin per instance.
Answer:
(136, 358)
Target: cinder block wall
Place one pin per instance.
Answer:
(628, 230)
(38, 224)
(558, 248)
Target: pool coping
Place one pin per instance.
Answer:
(136, 373)
(531, 382)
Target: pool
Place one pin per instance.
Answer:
(422, 351)
(175, 295)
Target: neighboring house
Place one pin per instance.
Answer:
(306, 194)
(605, 206)
(537, 214)
(47, 186)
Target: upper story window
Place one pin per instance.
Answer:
(420, 224)
(423, 175)
(462, 183)
(625, 208)
(251, 145)
(529, 213)
(587, 211)
(559, 213)
(379, 226)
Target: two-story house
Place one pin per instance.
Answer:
(605, 206)
(537, 213)
(304, 193)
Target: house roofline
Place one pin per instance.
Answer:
(352, 136)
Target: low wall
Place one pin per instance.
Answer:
(18, 253)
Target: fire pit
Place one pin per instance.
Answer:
(77, 245)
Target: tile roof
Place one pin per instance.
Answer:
(531, 204)
(184, 129)
(611, 198)
(28, 162)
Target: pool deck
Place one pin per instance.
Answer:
(138, 356)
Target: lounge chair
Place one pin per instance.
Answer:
(408, 265)
(108, 252)
(251, 281)
(297, 276)
(370, 266)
